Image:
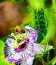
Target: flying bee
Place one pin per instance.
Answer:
(19, 29)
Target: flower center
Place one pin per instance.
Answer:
(22, 45)
(20, 42)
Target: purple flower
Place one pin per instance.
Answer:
(22, 49)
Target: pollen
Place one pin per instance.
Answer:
(14, 45)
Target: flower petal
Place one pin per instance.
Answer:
(9, 59)
(38, 49)
(9, 41)
(29, 61)
(29, 49)
(47, 47)
(17, 56)
(31, 30)
(32, 34)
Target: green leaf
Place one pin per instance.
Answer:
(53, 61)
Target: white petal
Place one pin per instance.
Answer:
(47, 47)
(29, 49)
(29, 60)
(27, 27)
(38, 49)
(16, 56)
(9, 42)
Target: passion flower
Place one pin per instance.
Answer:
(23, 47)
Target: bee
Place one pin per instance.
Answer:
(19, 29)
